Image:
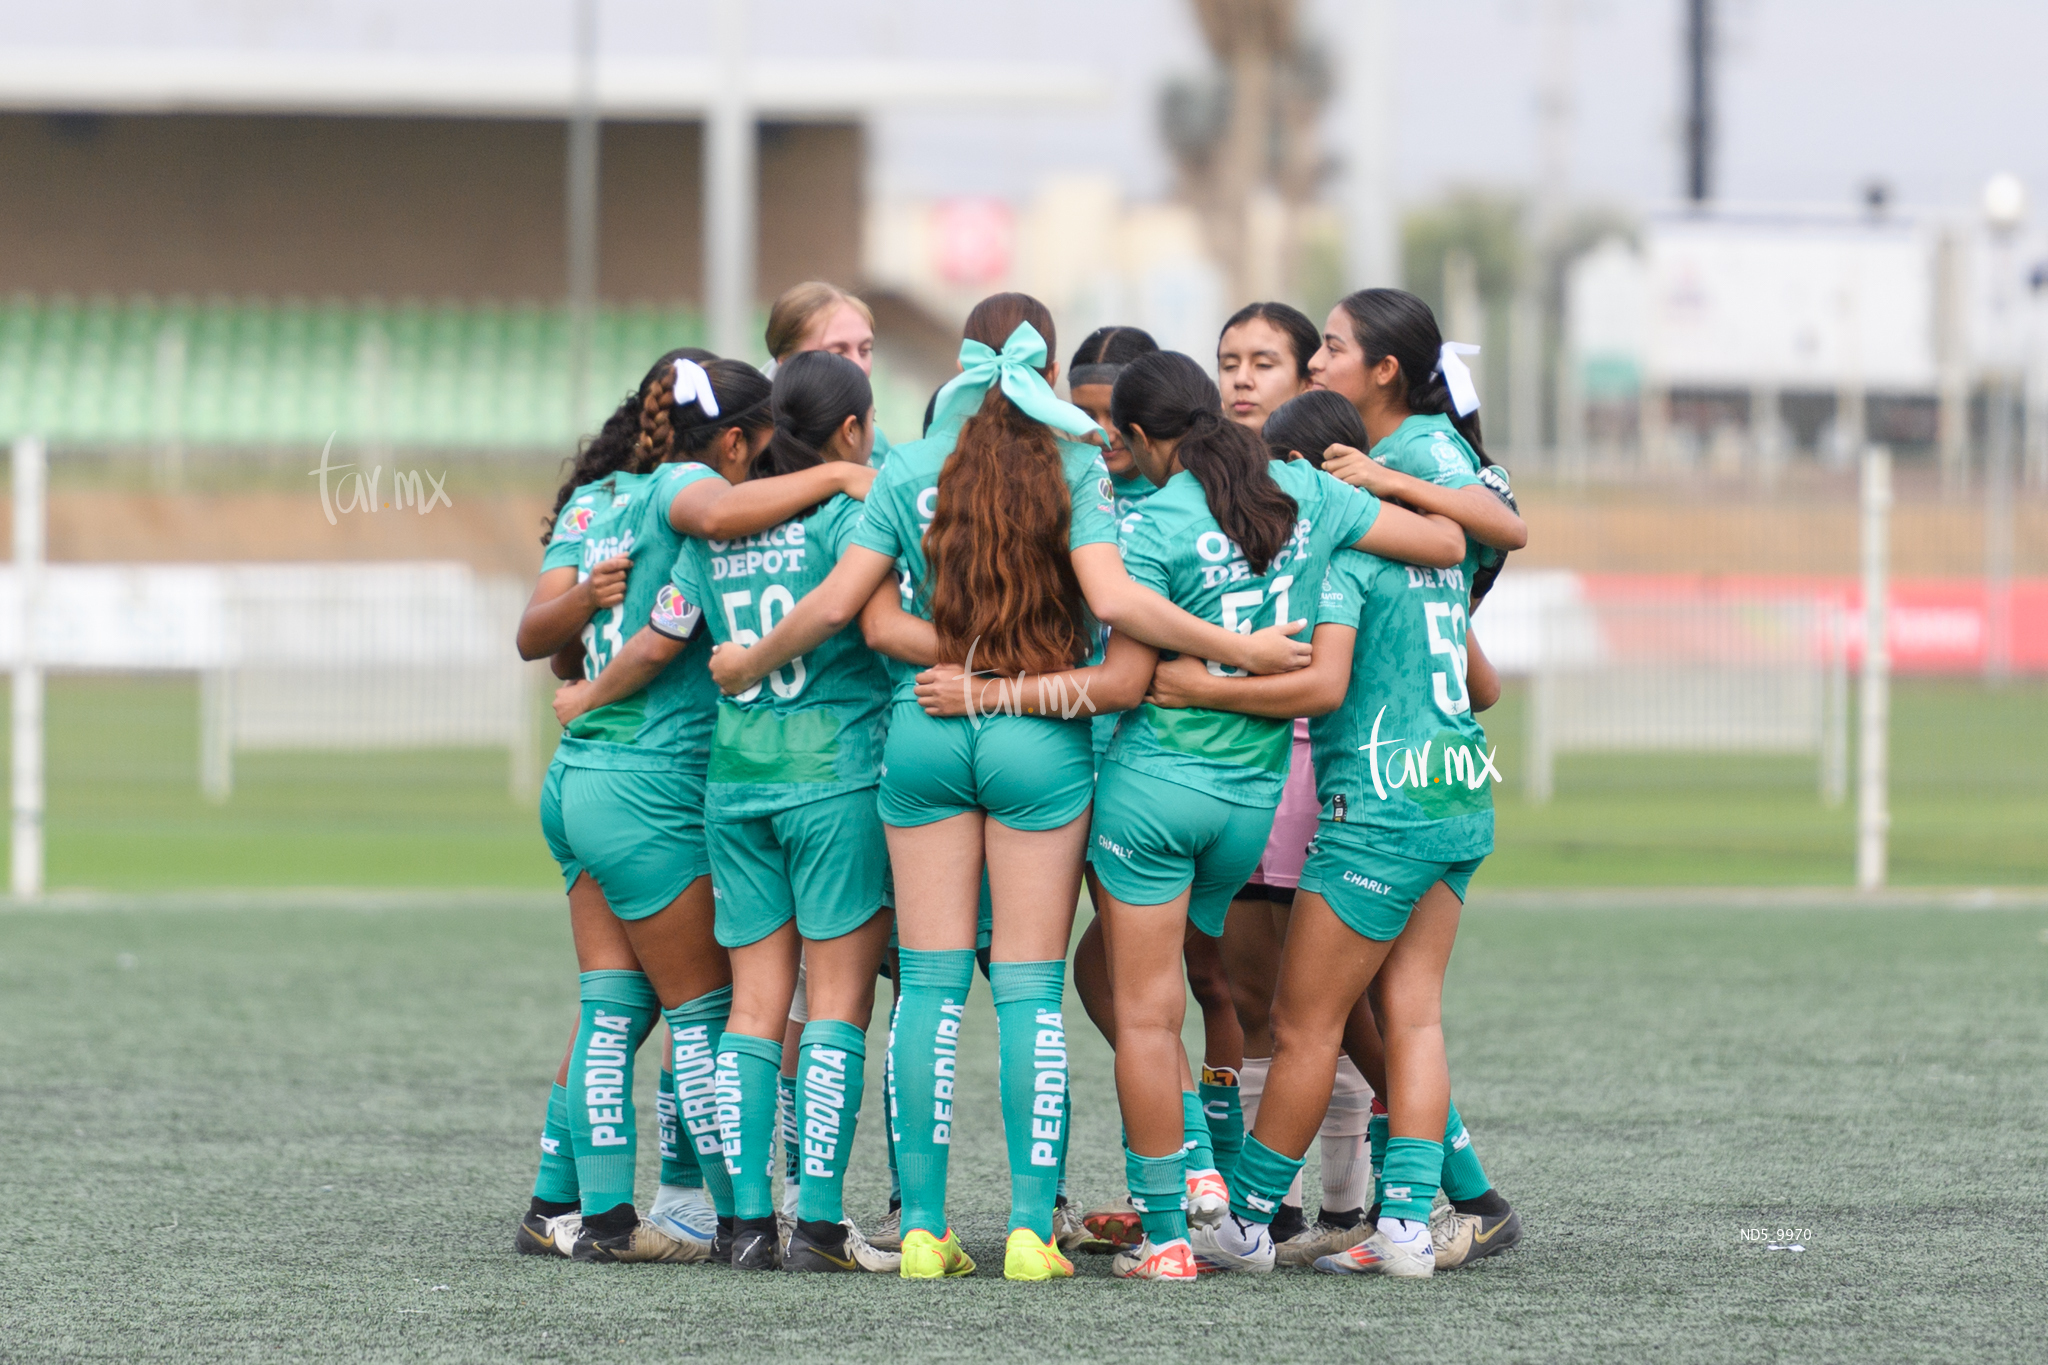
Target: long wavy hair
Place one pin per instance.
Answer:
(1168, 395)
(616, 446)
(1001, 583)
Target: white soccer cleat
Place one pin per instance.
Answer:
(685, 1215)
(1380, 1254)
(1320, 1240)
(1232, 1246)
(1208, 1198)
(1070, 1234)
(1175, 1261)
(868, 1255)
(1116, 1224)
(888, 1233)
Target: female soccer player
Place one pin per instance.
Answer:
(1185, 800)
(623, 803)
(1398, 842)
(1262, 360)
(815, 316)
(1001, 533)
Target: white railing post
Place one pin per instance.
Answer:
(26, 844)
(1873, 812)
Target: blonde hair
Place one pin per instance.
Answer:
(800, 306)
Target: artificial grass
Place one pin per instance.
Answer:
(308, 1133)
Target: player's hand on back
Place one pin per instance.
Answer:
(1357, 468)
(571, 701)
(946, 690)
(607, 583)
(1176, 681)
(1274, 650)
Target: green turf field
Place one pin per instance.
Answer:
(1970, 799)
(306, 1134)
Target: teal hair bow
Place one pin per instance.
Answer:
(1016, 367)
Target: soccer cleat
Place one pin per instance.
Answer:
(639, 1244)
(1252, 1254)
(1027, 1258)
(1117, 1224)
(785, 1225)
(888, 1234)
(802, 1253)
(684, 1215)
(926, 1257)
(1174, 1261)
(868, 1255)
(755, 1245)
(721, 1245)
(540, 1235)
(1208, 1198)
(1326, 1237)
(1070, 1234)
(1462, 1238)
(1379, 1254)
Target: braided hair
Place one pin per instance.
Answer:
(616, 446)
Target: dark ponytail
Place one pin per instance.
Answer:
(1302, 337)
(1168, 395)
(1393, 322)
(1312, 422)
(616, 447)
(1104, 352)
(742, 394)
(813, 395)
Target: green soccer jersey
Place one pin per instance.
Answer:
(1173, 545)
(1404, 757)
(1127, 492)
(814, 727)
(668, 722)
(585, 505)
(1430, 448)
(900, 506)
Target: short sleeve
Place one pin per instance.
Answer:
(565, 546)
(880, 524)
(1346, 585)
(1093, 518)
(678, 606)
(1145, 555)
(1348, 512)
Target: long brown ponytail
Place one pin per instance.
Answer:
(1001, 583)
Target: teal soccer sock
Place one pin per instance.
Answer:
(924, 1051)
(830, 1072)
(1032, 1045)
(1200, 1156)
(618, 1013)
(1262, 1180)
(678, 1163)
(695, 1026)
(786, 1126)
(1224, 1111)
(749, 1072)
(1463, 1176)
(1159, 1193)
(1413, 1167)
(556, 1182)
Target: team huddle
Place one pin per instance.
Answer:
(837, 710)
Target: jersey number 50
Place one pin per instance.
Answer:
(786, 681)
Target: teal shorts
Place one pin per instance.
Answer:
(1153, 839)
(639, 833)
(1371, 890)
(1027, 772)
(824, 863)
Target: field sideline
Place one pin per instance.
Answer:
(306, 1133)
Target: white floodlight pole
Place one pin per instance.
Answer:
(26, 846)
(1873, 812)
(582, 196)
(2005, 208)
(1372, 256)
(730, 190)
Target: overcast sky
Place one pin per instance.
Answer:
(1815, 95)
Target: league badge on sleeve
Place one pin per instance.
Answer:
(673, 614)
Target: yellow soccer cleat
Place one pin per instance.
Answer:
(926, 1257)
(1027, 1258)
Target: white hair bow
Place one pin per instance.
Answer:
(693, 385)
(1458, 378)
